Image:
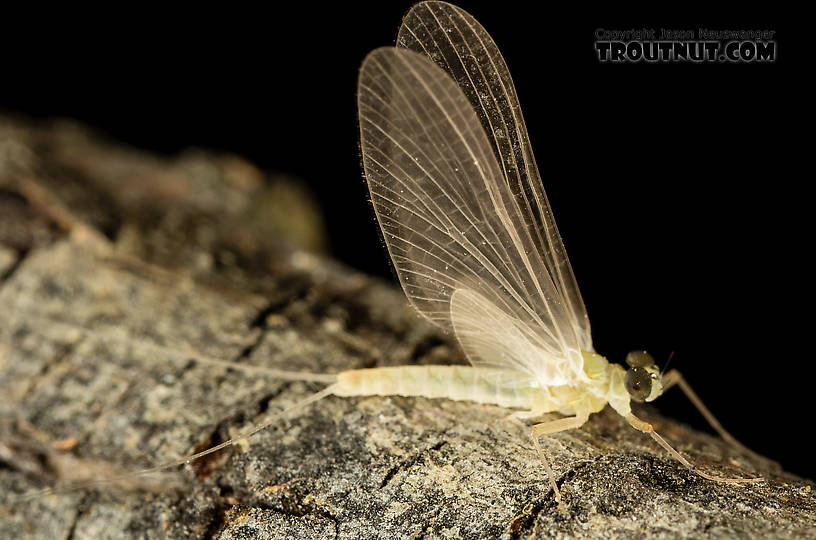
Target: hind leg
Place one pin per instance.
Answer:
(549, 428)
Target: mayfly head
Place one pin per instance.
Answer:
(643, 378)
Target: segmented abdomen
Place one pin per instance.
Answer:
(462, 383)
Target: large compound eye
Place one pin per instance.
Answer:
(638, 383)
(640, 359)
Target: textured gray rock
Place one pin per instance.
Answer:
(122, 273)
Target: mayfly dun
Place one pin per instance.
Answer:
(467, 224)
(470, 232)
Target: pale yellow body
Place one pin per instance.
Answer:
(466, 383)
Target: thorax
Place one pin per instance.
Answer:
(604, 385)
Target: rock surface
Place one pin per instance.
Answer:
(122, 275)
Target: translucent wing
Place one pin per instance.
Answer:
(448, 216)
(456, 42)
(490, 338)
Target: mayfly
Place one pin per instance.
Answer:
(467, 224)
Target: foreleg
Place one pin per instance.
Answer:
(674, 377)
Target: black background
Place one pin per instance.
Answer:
(674, 185)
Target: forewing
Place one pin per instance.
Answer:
(456, 42)
(492, 339)
(448, 217)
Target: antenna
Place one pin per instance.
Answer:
(668, 361)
